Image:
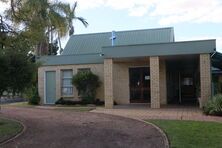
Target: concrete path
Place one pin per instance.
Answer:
(68, 129)
(143, 111)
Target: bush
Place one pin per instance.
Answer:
(86, 83)
(33, 96)
(214, 106)
(71, 102)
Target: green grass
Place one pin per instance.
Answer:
(191, 134)
(20, 104)
(8, 129)
(80, 108)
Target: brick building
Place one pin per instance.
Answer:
(138, 66)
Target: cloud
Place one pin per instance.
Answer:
(3, 7)
(218, 40)
(133, 7)
(167, 12)
(198, 11)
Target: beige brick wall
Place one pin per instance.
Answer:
(121, 79)
(163, 84)
(95, 68)
(155, 81)
(205, 78)
(108, 83)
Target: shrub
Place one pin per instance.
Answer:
(33, 96)
(72, 102)
(214, 106)
(86, 83)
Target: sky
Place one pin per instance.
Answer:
(191, 19)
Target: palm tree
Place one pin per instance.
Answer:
(43, 20)
(70, 16)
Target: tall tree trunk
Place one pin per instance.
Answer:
(60, 46)
(51, 39)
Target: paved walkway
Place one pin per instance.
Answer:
(47, 128)
(143, 111)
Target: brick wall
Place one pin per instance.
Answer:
(205, 78)
(95, 68)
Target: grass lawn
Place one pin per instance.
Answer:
(20, 104)
(191, 134)
(8, 129)
(80, 108)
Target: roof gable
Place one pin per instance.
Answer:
(93, 43)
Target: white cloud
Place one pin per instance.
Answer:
(133, 7)
(3, 7)
(218, 40)
(198, 11)
(167, 11)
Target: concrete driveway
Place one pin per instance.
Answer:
(68, 129)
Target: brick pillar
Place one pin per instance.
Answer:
(155, 82)
(163, 84)
(108, 82)
(205, 79)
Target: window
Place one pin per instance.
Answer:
(84, 69)
(67, 87)
(187, 81)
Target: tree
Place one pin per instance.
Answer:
(71, 15)
(42, 20)
(53, 48)
(70, 12)
(3, 74)
(17, 69)
(21, 71)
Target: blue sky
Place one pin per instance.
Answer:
(191, 19)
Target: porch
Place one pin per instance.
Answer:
(168, 112)
(175, 72)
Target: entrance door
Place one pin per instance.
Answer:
(188, 90)
(139, 85)
(50, 87)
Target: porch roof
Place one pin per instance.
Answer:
(160, 49)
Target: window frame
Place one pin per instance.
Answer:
(66, 86)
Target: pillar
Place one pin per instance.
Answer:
(108, 82)
(155, 81)
(205, 79)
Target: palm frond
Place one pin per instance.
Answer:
(83, 21)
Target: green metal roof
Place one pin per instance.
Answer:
(93, 43)
(71, 59)
(88, 48)
(160, 49)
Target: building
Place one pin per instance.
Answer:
(138, 66)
